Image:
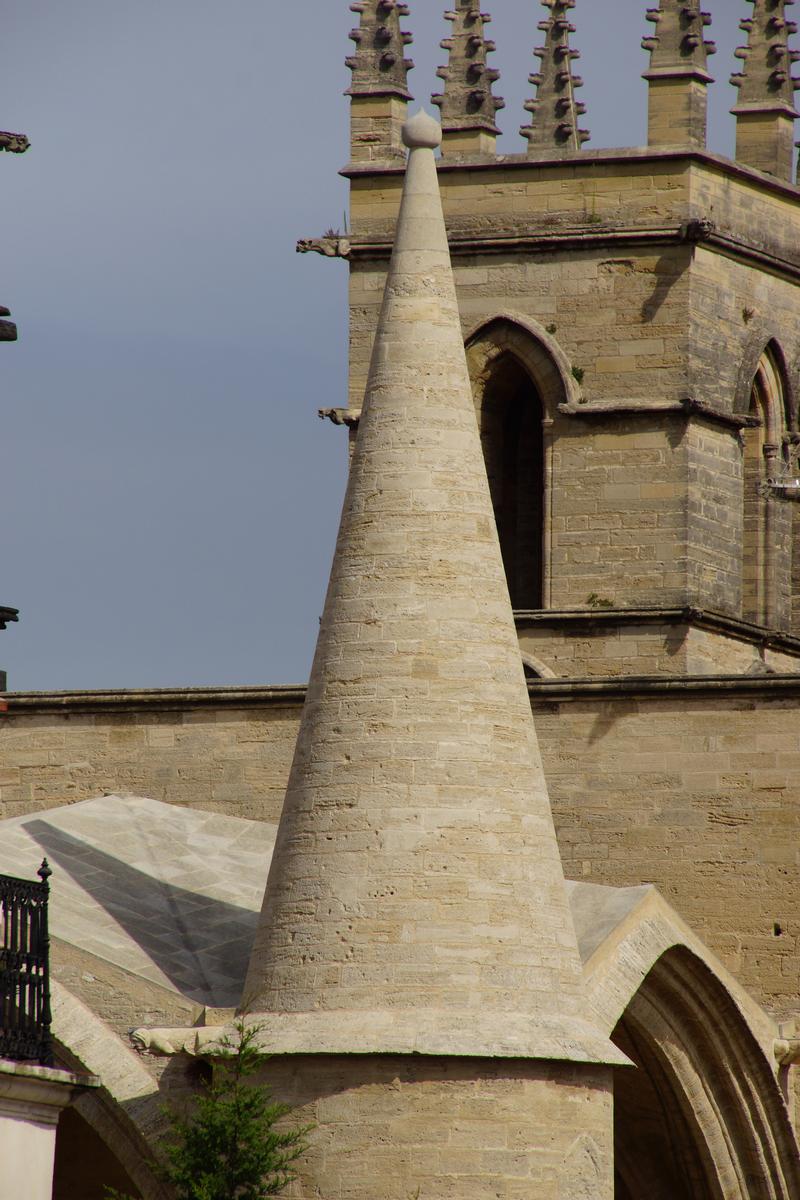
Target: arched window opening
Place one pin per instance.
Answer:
(766, 520)
(511, 418)
(701, 1117)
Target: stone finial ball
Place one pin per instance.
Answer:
(422, 132)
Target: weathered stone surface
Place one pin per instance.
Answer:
(467, 104)
(765, 111)
(677, 75)
(390, 870)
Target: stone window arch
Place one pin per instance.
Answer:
(766, 518)
(519, 378)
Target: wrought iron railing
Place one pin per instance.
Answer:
(25, 969)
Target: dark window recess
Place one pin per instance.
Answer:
(513, 447)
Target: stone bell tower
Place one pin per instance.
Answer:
(632, 328)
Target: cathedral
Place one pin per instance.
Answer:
(512, 887)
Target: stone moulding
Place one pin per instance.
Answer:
(698, 617)
(157, 699)
(421, 1031)
(579, 237)
(559, 689)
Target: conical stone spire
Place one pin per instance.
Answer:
(416, 901)
(765, 111)
(467, 104)
(555, 109)
(678, 75)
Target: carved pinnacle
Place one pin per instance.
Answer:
(379, 65)
(555, 110)
(467, 101)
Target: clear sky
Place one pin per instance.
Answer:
(170, 498)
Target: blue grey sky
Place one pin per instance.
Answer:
(170, 496)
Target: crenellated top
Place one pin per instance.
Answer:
(467, 101)
(677, 46)
(765, 80)
(555, 109)
(379, 65)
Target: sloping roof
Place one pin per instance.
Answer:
(168, 893)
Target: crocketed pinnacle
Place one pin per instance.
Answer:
(379, 65)
(415, 900)
(555, 109)
(467, 101)
(677, 47)
(765, 81)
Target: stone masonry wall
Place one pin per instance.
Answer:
(446, 1128)
(714, 517)
(617, 511)
(696, 792)
(225, 758)
(640, 323)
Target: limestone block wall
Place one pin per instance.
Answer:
(594, 650)
(617, 510)
(730, 196)
(226, 750)
(698, 794)
(734, 309)
(714, 512)
(442, 1128)
(692, 786)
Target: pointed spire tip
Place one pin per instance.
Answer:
(422, 131)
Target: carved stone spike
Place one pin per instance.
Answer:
(379, 65)
(467, 101)
(677, 45)
(765, 111)
(764, 78)
(555, 123)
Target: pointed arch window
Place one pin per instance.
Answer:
(766, 522)
(520, 377)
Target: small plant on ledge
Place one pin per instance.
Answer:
(228, 1148)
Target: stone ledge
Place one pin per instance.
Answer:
(700, 618)
(434, 1032)
(33, 1093)
(156, 699)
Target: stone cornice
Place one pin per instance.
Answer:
(698, 618)
(156, 699)
(578, 237)
(687, 407)
(735, 687)
(541, 690)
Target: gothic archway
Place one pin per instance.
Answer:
(702, 1116)
(519, 376)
